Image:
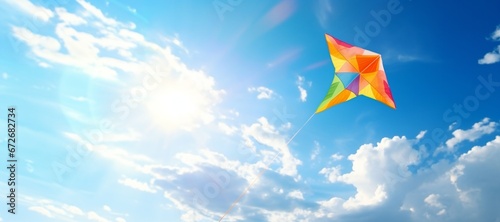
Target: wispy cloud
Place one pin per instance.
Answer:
(336, 157)
(263, 92)
(93, 216)
(296, 194)
(316, 150)
(29, 8)
(493, 56)
(316, 65)
(279, 14)
(97, 13)
(228, 130)
(267, 134)
(132, 10)
(41, 210)
(332, 174)
(407, 58)
(175, 40)
(433, 200)
(478, 130)
(138, 185)
(323, 12)
(285, 57)
(58, 211)
(496, 34)
(303, 92)
(421, 134)
(392, 55)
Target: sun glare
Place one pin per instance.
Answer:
(175, 108)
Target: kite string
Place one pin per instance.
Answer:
(262, 171)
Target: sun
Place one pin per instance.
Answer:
(175, 107)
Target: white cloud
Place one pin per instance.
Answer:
(206, 158)
(97, 13)
(186, 187)
(177, 42)
(189, 214)
(133, 10)
(280, 190)
(478, 130)
(93, 216)
(441, 212)
(385, 188)
(493, 56)
(41, 210)
(57, 210)
(29, 8)
(292, 215)
(116, 154)
(38, 42)
(433, 200)
(120, 219)
(52, 209)
(228, 130)
(47, 48)
(421, 134)
(266, 134)
(133, 183)
(5, 75)
(331, 173)
(303, 92)
(443, 192)
(296, 194)
(496, 34)
(234, 112)
(452, 126)
(375, 170)
(264, 93)
(330, 208)
(106, 208)
(72, 209)
(336, 157)
(316, 150)
(69, 18)
(43, 65)
(465, 190)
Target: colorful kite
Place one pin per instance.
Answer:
(357, 72)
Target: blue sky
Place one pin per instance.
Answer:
(133, 111)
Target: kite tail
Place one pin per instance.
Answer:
(262, 171)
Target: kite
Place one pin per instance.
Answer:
(357, 72)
